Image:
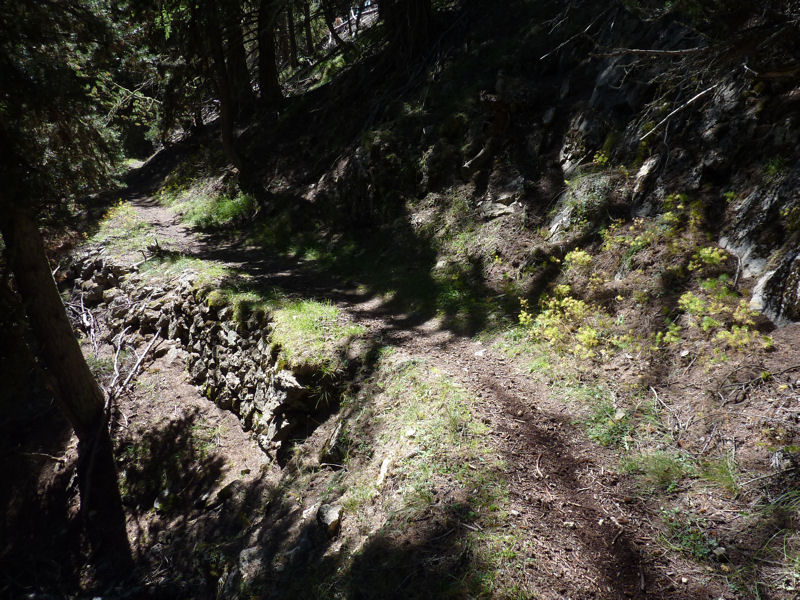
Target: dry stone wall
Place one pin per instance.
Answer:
(232, 362)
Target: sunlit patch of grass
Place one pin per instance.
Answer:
(122, 229)
(202, 204)
(206, 272)
(311, 332)
(436, 462)
(217, 211)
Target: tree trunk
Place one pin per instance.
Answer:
(238, 74)
(293, 62)
(219, 75)
(408, 23)
(307, 28)
(328, 10)
(77, 392)
(271, 93)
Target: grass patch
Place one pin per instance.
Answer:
(121, 230)
(311, 333)
(219, 211)
(609, 425)
(723, 472)
(660, 470)
(202, 204)
(415, 425)
(168, 266)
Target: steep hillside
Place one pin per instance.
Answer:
(517, 321)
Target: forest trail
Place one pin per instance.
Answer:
(587, 534)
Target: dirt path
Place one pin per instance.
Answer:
(590, 538)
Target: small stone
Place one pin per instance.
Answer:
(684, 580)
(411, 432)
(330, 518)
(250, 563)
(514, 513)
(569, 524)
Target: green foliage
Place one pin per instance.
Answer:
(609, 425)
(775, 168)
(569, 324)
(221, 211)
(660, 470)
(122, 229)
(310, 332)
(723, 472)
(577, 259)
(686, 533)
(56, 137)
(719, 312)
(708, 257)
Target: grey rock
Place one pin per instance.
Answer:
(493, 210)
(111, 294)
(92, 293)
(251, 564)
(329, 517)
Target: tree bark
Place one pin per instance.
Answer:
(238, 73)
(293, 62)
(219, 75)
(271, 93)
(76, 391)
(307, 28)
(328, 10)
(408, 23)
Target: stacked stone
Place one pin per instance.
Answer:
(231, 360)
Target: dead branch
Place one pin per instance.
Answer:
(651, 51)
(577, 35)
(677, 110)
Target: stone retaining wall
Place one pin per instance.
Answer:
(232, 362)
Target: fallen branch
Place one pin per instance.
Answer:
(677, 110)
(577, 35)
(651, 52)
(139, 362)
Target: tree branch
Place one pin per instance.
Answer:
(677, 110)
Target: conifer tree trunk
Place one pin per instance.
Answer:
(271, 93)
(78, 394)
(293, 62)
(219, 73)
(408, 24)
(238, 73)
(328, 10)
(307, 28)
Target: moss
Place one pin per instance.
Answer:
(217, 299)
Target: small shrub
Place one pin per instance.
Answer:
(708, 257)
(609, 425)
(722, 472)
(660, 470)
(685, 533)
(577, 259)
(219, 211)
